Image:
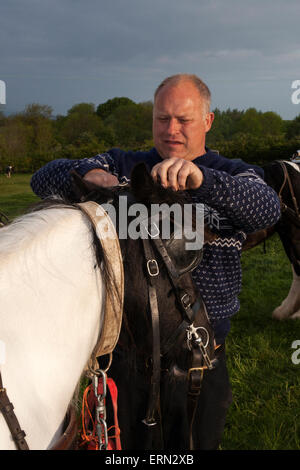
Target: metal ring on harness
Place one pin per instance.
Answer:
(105, 369)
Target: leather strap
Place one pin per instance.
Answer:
(154, 395)
(69, 439)
(114, 303)
(293, 214)
(7, 409)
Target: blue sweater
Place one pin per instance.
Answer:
(237, 202)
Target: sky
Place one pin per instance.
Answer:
(64, 52)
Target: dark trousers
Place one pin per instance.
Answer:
(215, 399)
(210, 416)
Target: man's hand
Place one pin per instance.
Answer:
(178, 174)
(101, 178)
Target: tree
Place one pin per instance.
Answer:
(35, 110)
(272, 124)
(250, 122)
(82, 108)
(77, 123)
(131, 123)
(15, 140)
(293, 128)
(104, 110)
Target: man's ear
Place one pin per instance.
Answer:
(209, 119)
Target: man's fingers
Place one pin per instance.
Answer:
(166, 172)
(176, 173)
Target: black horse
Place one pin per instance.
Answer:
(134, 358)
(159, 361)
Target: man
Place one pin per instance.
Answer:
(8, 171)
(235, 194)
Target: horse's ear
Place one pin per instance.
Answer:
(141, 181)
(80, 187)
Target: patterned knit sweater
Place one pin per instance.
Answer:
(237, 202)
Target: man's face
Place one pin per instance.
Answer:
(180, 122)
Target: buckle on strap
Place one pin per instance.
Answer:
(152, 267)
(185, 301)
(195, 377)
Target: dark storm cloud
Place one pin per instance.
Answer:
(130, 45)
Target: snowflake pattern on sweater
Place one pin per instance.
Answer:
(237, 202)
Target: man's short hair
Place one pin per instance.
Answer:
(181, 77)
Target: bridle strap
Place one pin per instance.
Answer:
(195, 378)
(7, 409)
(154, 396)
(196, 370)
(165, 256)
(191, 312)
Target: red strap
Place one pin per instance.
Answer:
(114, 397)
(92, 401)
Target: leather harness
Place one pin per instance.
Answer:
(293, 214)
(202, 347)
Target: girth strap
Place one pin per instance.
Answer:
(7, 409)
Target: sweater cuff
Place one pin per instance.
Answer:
(84, 166)
(204, 191)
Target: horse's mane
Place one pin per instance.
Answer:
(38, 224)
(28, 227)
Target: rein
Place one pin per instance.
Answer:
(7, 409)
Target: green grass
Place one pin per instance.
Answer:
(265, 413)
(15, 194)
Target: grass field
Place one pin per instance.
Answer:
(15, 194)
(266, 384)
(265, 413)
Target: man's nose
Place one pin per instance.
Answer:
(173, 126)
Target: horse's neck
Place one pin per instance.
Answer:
(51, 302)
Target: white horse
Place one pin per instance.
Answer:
(52, 302)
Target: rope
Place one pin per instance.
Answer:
(89, 437)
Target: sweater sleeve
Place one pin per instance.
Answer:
(240, 202)
(54, 178)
